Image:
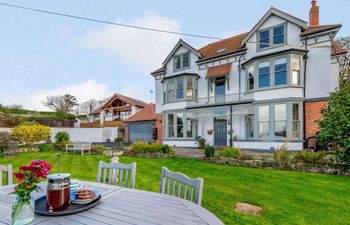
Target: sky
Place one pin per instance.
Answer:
(42, 55)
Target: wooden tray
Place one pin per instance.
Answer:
(41, 207)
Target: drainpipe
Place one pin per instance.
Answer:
(239, 77)
(304, 92)
(231, 138)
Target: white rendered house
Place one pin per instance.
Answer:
(254, 90)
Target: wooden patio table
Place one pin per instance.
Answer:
(120, 206)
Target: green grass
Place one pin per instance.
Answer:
(287, 197)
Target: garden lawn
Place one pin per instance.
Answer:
(287, 197)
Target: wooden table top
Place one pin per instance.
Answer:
(121, 206)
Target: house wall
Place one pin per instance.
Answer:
(313, 113)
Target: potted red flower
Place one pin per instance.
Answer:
(27, 178)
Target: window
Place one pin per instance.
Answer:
(278, 35)
(272, 37)
(250, 126)
(264, 39)
(179, 89)
(182, 61)
(170, 125)
(180, 125)
(170, 90)
(190, 87)
(264, 74)
(263, 123)
(250, 81)
(296, 122)
(281, 71)
(295, 62)
(281, 120)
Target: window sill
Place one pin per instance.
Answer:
(276, 87)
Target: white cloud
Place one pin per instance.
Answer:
(141, 48)
(84, 91)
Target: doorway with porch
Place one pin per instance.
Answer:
(220, 132)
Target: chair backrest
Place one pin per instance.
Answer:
(8, 171)
(113, 173)
(178, 184)
(80, 144)
(11, 148)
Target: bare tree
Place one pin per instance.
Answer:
(344, 61)
(63, 103)
(89, 106)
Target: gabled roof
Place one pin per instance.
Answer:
(178, 45)
(145, 114)
(160, 70)
(223, 47)
(129, 100)
(278, 13)
(318, 29)
(337, 49)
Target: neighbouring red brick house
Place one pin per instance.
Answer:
(145, 125)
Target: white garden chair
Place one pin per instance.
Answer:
(7, 169)
(113, 173)
(179, 185)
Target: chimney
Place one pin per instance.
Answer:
(314, 14)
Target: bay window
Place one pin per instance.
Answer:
(296, 121)
(250, 79)
(180, 88)
(180, 125)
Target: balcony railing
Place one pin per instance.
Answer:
(221, 99)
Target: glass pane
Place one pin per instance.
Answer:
(281, 128)
(251, 77)
(250, 126)
(264, 129)
(280, 112)
(278, 35)
(281, 78)
(177, 62)
(295, 77)
(263, 113)
(189, 93)
(264, 74)
(281, 71)
(180, 123)
(264, 39)
(180, 90)
(171, 131)
(170, 119)
(295, 111)
(295, 131)
(220, 88)
(295, 62)
(185, 60)
(189, 131)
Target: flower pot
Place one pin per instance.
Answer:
(22, 210)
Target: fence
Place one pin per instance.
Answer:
(14, 121)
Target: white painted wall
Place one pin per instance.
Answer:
(87, 134)
(259, 145)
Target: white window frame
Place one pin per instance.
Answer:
(181, 57)
(271, 36)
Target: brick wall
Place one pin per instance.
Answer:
(313, 113)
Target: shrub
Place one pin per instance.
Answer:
(5, 137)
(119, 141)
(282, 156)
(209, 151)
(201, 143)
(308, 156)
(98, 149)
(230, 152)
(144, 147)
(30, 134)
(61, 139)
(335, 125)
(29, 123)
(45, 147)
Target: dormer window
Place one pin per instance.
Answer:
(182, 61)
(272, 37)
